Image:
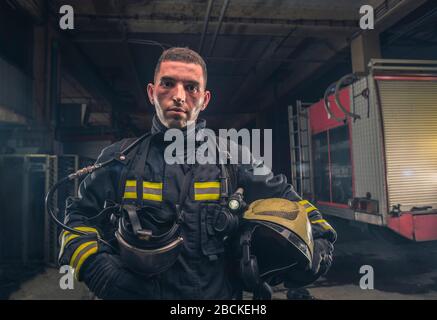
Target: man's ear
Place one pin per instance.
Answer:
(150, 89)
(206, 99)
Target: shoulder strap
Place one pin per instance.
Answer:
(233, 176)
(231, 171)
(126, 143)
(130, 149)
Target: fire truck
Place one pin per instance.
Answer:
(367, 151)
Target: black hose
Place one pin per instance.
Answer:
(103, 212)
(70, 177)
(78, 174)
(50, 210)
(347, 79)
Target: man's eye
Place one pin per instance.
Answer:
(192, 88)
(167, 84)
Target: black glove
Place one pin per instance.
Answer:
(322, 261)
(107, 277)
(322, 257)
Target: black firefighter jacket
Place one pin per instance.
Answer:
(201, 270)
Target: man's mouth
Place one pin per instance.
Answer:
(177, 109)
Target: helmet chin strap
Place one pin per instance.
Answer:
(146, 234)
(249, 269)
(137, 229)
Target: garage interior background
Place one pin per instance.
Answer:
(69, 93)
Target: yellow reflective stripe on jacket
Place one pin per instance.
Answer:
(84, 229)
(303, 202)
(205, 185)
(67, 236)
(70, 237)
(153, 197)
(207, 196)
(307, 205)
(152, 185)
(130, 189)
(130, 195)
(207, 190)
(87, 253)
(81, 254)
(131, 183)
(152, 191)
(65, 240)
(311, 208)
(325, 225)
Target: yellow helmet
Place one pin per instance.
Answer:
(279, 235)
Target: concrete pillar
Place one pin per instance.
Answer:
(45, 85)
(40, 106)
(364, 47)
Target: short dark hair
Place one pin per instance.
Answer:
(183, 55)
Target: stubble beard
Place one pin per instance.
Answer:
(177, 122)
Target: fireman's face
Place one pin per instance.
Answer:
(178, 93)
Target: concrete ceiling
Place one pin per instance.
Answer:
(263, 49)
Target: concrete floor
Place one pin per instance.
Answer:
(45, 286)
(401, 271)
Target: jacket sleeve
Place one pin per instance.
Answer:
(267, 185)
(97, 187)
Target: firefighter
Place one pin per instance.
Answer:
(165, 241)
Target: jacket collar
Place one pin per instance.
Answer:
(158, 127)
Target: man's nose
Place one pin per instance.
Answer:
(179, 95)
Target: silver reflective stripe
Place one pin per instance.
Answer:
(152, 191)
(82, 252)
(207, 190)
(130, 189)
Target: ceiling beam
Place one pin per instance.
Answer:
(177, 19)
(263, 68)
(205, 25)
(83, 70)
(128, 64)
(131, 68)
(394, 13)
(389, 13)
(87, 30)
(219, 25)
(33, 8)
(94, 36)
(275, 91)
